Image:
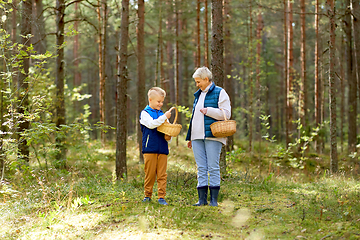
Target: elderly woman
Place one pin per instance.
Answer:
(209, 100)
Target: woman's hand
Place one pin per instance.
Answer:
(203, 111)
(189, 144)
(167, 137)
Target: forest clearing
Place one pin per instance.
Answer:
(75, 76)
(259, 200)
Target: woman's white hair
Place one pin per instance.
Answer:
(202, 72)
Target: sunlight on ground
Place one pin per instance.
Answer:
(140, 235)
(67, 226)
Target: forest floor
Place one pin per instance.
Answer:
(260, 198)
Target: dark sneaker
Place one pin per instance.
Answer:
(162, 201)
(146, 199)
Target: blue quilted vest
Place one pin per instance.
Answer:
(211, 100)
(152, 140)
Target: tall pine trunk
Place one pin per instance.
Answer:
(206, 36)
(332, 88)
(290, 73)
(259, 28)
(141, 70)
(102, 18)
(356, 30)
(317, 77)
(285, 74)
(228, 63)
(352, 100)
(23, 85)
(198, 47)
(38, 27)
(217, 51)
(121, 87)
(304, 86)
(250, 81)
(59, 82)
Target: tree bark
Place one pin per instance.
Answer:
(290, 72)
(304, 86)
(102, 18)
(250, 82)
(198, 49)
(317, 77)
(217, 51)
(342, 91)
(228, 63)
(332, 89)
(76, 48)
(206, 36)
(38, 28)
(356, 34)
(121, 126)
(141, 71)
(23, 85)
(258, 72)
(59, 82)
(352, 100)
(170, 57)
(285, 75)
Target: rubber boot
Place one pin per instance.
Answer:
(214, 193)
(202, 192)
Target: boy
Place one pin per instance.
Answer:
(154, 144)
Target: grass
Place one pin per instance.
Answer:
(260, 198)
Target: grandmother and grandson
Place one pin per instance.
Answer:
(208, 102)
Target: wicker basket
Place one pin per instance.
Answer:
(223, 128)
(171, 129)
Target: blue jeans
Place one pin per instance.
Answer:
(207, 156)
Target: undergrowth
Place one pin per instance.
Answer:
(260, 198)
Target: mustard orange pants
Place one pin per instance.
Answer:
(155, 166)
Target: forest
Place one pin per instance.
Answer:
(74, 79)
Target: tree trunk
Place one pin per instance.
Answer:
(228, 62)
(317, 77)
(170, 57)
(258, 72)
(121, 126)
(38, 28)
(23, 85)
(303, 106)
(59, 82)
(2, 127)
(290, 71)
(159, 45)
(76, 48)
(102, 18)
(285, 75)
(206, 36)
(332, 89)
(352, 100)
(186, 79)
(198, 52)
(342, 91)
(141, 71)
(217, 51)
(356, 30)
(250, 82)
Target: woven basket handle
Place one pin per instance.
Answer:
(176, 114)
(224, 114)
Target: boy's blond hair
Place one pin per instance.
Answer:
(156, 91)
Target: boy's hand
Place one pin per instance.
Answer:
(189, 144)
(167, 137)
(168, 113)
